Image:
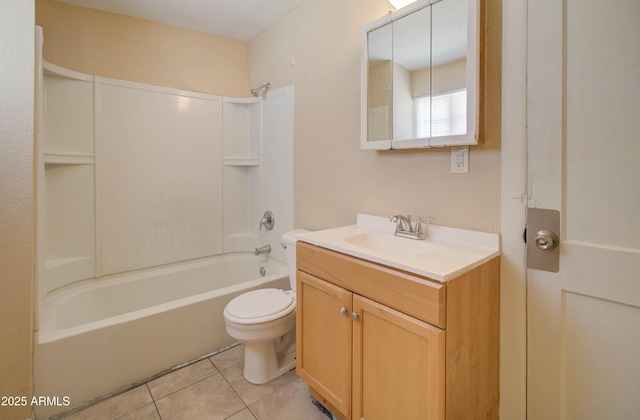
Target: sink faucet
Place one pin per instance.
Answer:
(262, 250)
(404, 227)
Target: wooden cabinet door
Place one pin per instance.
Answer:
(323, 341)
(398, 365)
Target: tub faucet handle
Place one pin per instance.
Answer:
(268, 220)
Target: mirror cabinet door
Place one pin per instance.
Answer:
(419, 76)
(379, 84)
(449, 71)
(411, 72)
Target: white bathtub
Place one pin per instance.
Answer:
(114, 331)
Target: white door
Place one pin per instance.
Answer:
(583, 143)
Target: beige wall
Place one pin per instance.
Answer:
(121, 47)
(380, 76)
(16, 203)
(316, 47)
(450, 76)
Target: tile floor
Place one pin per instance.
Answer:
(212, 388)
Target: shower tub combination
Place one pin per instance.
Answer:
(115, 331)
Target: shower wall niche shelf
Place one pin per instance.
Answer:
(66, 169)
(68, 114)
(241, 141)
(55, 159)
(241, 161)
(241, 125)
(70, 224)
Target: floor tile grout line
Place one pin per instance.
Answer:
(234, 390)
(187, 386)
(239, 411)
(255, 416)
(217, 372)
(153, 401)
(248, 405)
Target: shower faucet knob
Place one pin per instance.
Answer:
(267, 221)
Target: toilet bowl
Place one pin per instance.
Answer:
(264, 320)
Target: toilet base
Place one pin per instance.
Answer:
(266, 360)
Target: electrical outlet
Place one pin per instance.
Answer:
(460, 160)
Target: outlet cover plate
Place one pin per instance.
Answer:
(460, 160)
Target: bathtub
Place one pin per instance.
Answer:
(104, 334)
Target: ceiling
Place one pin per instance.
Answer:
(239, 19)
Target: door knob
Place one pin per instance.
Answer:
(354, 316)
(343, 311)
(546, 240)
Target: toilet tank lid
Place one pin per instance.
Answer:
(291, 237)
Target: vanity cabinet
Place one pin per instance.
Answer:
(324, 332)
(377, 343)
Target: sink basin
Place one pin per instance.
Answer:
(389, 243)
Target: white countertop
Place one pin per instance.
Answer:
(444, 254)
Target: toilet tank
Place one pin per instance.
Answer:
(289, 241)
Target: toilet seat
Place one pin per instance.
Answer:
(262, 305)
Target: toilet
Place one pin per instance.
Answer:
(264, 320)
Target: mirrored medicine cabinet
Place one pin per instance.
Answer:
(420, 83)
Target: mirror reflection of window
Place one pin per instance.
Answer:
(440, 115)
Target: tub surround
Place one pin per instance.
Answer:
(199, 172)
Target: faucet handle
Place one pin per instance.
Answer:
(419, 223)
(418, 228)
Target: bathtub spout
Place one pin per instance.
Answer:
(262, 250)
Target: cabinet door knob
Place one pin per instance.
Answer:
(343, 311)
(354, 316)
